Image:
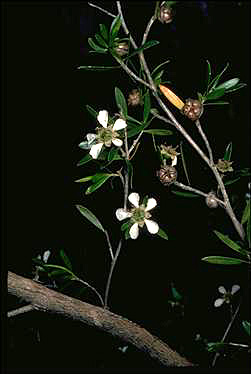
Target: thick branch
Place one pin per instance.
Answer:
(50, 301)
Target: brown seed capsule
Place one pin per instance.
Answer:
(167, 175)
(165, 14)
(193, 109)
(211, 201)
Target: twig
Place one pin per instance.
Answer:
(92, 288)
(203, 135)
(198, 192)
(150, 23)
(135, 142)
(23, 309)
(124, 25)
(108, 284)
(102, 10)
(226, 332)
(109, 243)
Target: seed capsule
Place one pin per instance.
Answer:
(167, 175)
(211, 201)
(134, 98)
(193, 109)
(122, 49)
(165, 14)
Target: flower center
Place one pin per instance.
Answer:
(106, 135)
(139, 215)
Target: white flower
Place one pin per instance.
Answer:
(139, 215)
(107, 135)
(226, 295)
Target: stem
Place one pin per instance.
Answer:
(203, 135)
(102, 10)
(23, 309)
(92, 288)
(108, 284)
(226, 332)
(109, 244)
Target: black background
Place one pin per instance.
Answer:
(44, 98)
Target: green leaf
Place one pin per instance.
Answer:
(65, 259)
(147, 45)
(85, 179)
(162, 234)
(101, 41)
(90, 216)
(92, 111)
(231, 181)
(246, 213)
(176, 295)
(217, 103)
(237, 87)
(209, 73)
(104, 32)
(228, 152)
(135, 130)
(125, 226)
(113, 154)
(121, 101)
(157, 78)
(158, 67)
(147, 106)
(229, 84)
(98, 68)
(220, 260)
(184, 163)
(84, 160)
(50, 266)
(246, 326)
(215, 94)
(215, 81)
(99, 181)
(184, 194)
(115, 26)
(230, 243)
(249, 232)
(132, 121)
(160, 132)
(215, 347)
(130, 172)
(96, 47)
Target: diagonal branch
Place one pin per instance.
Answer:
(50, 301)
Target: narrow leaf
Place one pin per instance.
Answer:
(246, 326)
(90, 216)
(66, 259)
(147, 107)
(85, 179)
(162, 234)
(120, 101)
(147, 45)
(100, 181)
(209, 73)
(228, 152)
(96, 48)
(219, 260)
(231, 181)
(215, 94)
(230, 243)
(104, 31)
(229, 84)
(160, 132)
(215, 81)
(92, 111)
(176, 295)
(158, 67)
(237, 87)
(59, 267)
(184, 194)
(246, 213)
(101, 41)
(84, 160)
(115, 26)
(98, 68)
(218, 103)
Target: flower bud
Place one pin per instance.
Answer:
(211, 201)
(121, 49)
(174, 99)
(134, 98)
(167, 175)
(193, 109)
(165, 13)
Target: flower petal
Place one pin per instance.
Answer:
(222, 289)
(235, 288)
(152, 226)
(91, 137)
(134, 231)
(122, 214)
(103, 118)
(95, 150)
(218, 302)
(117, 142)
(174, 162)
(134, 199)
(151, 203)
(119, 124)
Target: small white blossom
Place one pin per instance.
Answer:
(226, 295)
(106, 135)
(139, 215)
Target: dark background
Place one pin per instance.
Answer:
(44, 98)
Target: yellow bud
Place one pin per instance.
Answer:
(175, 100)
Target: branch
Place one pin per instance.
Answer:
(50, 301)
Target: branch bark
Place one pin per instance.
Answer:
(50, 301)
